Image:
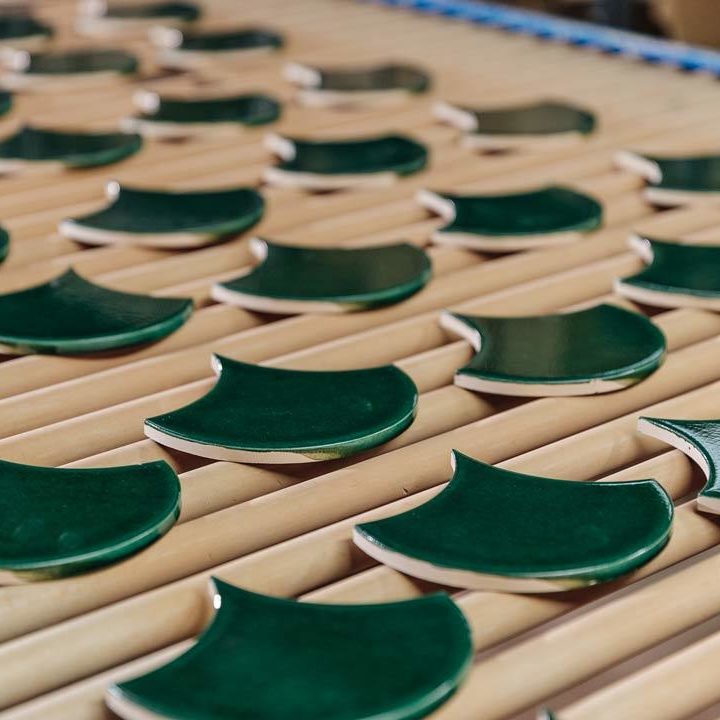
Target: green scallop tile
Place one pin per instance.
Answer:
(345, 163)
(272, 659)
(6, 102)
(270, 415)
(676, 180)
(699, 440)
(31, 145)
(602, 349)
(178, 117)
(364, 83)
(18, 30)
(187, 48)
(157, 218)
(75, 62)
(61, 521)
(676, 275)
(291, 279)
(492, 529)
(509, 222)
(72, 315)
(184, 11)
(4, 244)
(503, 128)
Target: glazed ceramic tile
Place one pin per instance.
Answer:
(677, 275)
(4, 243)
(334, 164)
(271, 415)
(56, 522)
(269, 658)
(72, 315)
(383, 83)
(700, 441)
(98, 17)
(506, 223)
(23, 32)
(176, 118)
(6, 102)
(168, 219)
(599, 350)
(543, 125)
(293, 279)
(492, 529)
(676, 180)
(36, 70)
(192, 49)
(31, 146)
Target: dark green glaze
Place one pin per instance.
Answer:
(273, 659)
(72, 149)
(540, 212)
(677, 269)
(184, 11)
(152, 212)
(704, 437)
(228, 41)
(242, 109)
(71, 315)
(20, 27)
(310, 415)
(354, 278)
(493, 522)
(688, 174)
(81, 61)
(56, 522)
(4, 243)
(388, 153)
(605, 344)
(6, 102)
(379, 77)
(544, 118)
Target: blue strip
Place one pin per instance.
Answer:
(574, 32)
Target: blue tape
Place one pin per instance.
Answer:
(573, 32)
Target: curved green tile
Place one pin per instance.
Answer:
(292, 279)
(272, 659)
(183, 11)
(75, 62)
(61, 521)
(358, 83)
(270, 415)
(602, 349)
(699, 440)
(675, 180)
(6, 102)
(341, 163)
(16, 30)
(677, 275)
(72, 315)
(504, 127)
(492, 529)
(4, 244)
(181, 48)
(71, 149)
(178, 117)
(517, 221)
(156, 218)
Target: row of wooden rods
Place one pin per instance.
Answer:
(277, 535)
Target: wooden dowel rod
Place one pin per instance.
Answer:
(680, 685)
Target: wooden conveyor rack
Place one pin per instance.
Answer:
(646, 647)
